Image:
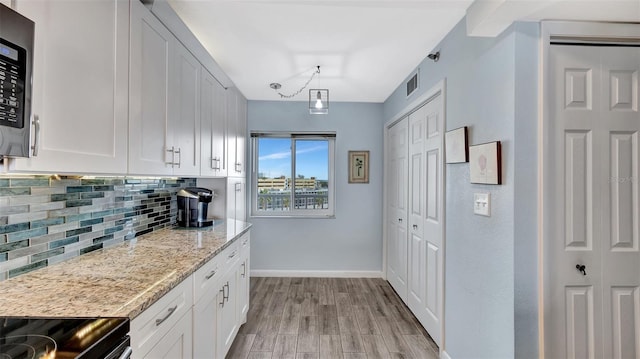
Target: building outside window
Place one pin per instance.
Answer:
(293, 174)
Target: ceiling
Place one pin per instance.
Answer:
(365, 48)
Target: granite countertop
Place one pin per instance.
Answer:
(120, 281)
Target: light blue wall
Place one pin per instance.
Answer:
(491, 86)
(352, 241)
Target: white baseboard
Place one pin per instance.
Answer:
(444, 355)
(316, 274)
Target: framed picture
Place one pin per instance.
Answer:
(485, 163)
(457, 145)
(358, 166)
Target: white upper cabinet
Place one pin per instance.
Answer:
(164, 117)
(184, 105)
(213, 126)
(236, 132)
(80, 86)
(151, 58)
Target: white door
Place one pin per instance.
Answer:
(426, 141)
(592, 261)
(397, 207)
(80, 80)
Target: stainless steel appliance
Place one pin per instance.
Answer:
(86, 338)
(16, 62)
(193, 204)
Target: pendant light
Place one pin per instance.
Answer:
(318, 98)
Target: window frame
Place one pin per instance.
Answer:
(329, 212)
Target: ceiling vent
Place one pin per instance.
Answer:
(412, 84)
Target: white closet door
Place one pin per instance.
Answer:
(426, 142)
(397, 207)
(592, 259)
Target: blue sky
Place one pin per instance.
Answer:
(274, 156)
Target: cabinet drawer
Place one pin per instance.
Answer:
(151, 325)
(207, 277)
(231, 254)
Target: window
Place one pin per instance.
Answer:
(292, 174)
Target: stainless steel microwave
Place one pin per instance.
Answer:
(16, 63)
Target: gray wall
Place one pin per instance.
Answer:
(352, 241)
(491, 86)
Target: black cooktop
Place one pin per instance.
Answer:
(49, 338)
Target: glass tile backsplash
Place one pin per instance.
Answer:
(47, 219)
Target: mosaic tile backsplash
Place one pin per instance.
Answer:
(46, 220)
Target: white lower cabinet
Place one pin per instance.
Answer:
(177, 343)
(215, 314)
(243, 278)
(164, 324)
(201, 316)
(227, 321)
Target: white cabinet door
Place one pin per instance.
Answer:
(236, 132)
(213, 126)
(177, 343)
(184, 95)
(205, 323)
(243, 278)
(232, 128)
(236, 197)
(227, 321)
(241, 135)
(151, 52)
(80, 86)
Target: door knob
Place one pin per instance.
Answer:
(581, 268)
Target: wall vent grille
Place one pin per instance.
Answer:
(412, 84)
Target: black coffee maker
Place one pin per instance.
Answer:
(193, 203)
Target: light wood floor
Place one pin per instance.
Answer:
(305, 318)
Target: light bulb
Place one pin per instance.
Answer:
(319, 101)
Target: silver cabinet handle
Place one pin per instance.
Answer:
(232, 254)
(169, 312)
(215, 163)
(400, 220)
(238, 167)
(244, 269)
(415, 226)
(223, 298)
(173, 155)
(36, 137)
(179, 156)
(208, 276)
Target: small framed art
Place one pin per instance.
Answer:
(485, 163)
(457, 145)
(358, 166)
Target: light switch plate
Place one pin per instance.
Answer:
(482, 204)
